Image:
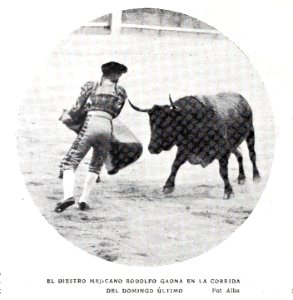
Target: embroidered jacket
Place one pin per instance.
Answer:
(103, 97)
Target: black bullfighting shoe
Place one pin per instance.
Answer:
(61, 206)
(83, 206)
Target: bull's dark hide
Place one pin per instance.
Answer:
(203, 128)
(211, 125)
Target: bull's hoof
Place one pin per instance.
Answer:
(241, 180)
(256, 178)
(228, 195)
(168, 189)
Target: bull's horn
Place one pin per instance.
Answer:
(137, 108)
(172, 103)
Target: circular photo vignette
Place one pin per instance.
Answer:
(147, 138)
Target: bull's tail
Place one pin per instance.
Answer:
(252, 155)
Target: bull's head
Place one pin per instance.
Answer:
(162, 122)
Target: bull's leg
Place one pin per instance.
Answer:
(178, 162)
(241, 176)
(228, 191)
(250, 143)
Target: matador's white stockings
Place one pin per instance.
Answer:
(90, 182)
(68, 184)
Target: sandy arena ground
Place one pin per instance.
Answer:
(131, 221)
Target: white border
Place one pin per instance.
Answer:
(260, 252)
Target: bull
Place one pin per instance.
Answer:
(204, 129)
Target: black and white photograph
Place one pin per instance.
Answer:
(178, 117)
(149, 144)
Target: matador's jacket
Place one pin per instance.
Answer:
(124, 146)
(94, 96)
